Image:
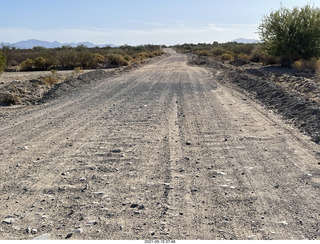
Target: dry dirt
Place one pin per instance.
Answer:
(166, 151)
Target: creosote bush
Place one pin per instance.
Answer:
(117, 59)
(27, 65)
(50, 80)
(227, 56)
(3, 62)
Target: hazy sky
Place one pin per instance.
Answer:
(136, 22)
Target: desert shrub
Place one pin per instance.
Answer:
(243, 56)
(27, 65)
(127, 57)
(13, 63)
(54, 72)
(67, 58)
(238, 48)
(202, 53)
(134, 62)
(297, 65)
(98, 58)
(50, 80)
(117, 59)
(217, 51)
(40, 63)
(260, 55)
(3, 62)
(78, 70)
(85, 60)
(227, 56)
(311, 65)
(292, 34)
(143, 55)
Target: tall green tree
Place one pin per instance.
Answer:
(291, 34)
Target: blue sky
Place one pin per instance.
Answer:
(136, 22)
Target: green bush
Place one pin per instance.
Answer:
(27, 65)
(117, 59)
(243, 56)
(40, 63)
(227, 56)
(217, 51)
(127, 57)
(292, 34)
(3, 62)
(260, 55)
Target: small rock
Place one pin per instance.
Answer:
(78, 231)
(69, 235)
(83, 179)
(141, 207)
(188, 143)
(119, 150)
(136, 212)
(34, 231)
(134, 205)
(194, 190)
(276, 186)
(8, 221)
(45, 236)
(284, 222)
(28, 230)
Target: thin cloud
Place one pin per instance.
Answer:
(215, 27)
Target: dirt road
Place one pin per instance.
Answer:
(162, 152)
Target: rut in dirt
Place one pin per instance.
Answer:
(162, 152)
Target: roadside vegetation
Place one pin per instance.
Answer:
(69, 58)
(289, 37)
(3, 62)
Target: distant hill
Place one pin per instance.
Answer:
(243, 40)
(38, 43)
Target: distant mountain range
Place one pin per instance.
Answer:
(37, 43)
(243, 40)
(29, 44)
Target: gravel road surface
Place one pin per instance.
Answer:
(162, 152)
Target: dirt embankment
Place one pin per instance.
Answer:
(32, 88)
(294, 96)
